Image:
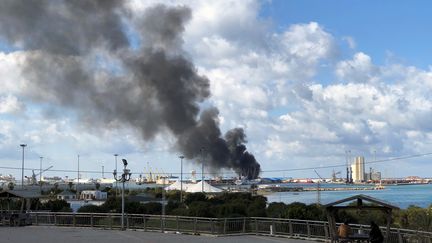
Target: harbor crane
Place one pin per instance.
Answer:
(334, 174)
(32, 179)
(318, 188)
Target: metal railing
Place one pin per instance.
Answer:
(216, 226)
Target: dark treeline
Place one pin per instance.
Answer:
(195, 204)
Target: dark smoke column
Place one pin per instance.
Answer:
(240, 158)
(79, 57)
(223, 152)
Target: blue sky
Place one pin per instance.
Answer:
(307, 80)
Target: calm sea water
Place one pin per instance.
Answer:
(401, 195)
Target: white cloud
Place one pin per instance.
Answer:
(389, 117)
(350, 41)
(308, 43)
(358, 70)
(276, 148)
(10, 68)
(10, 104)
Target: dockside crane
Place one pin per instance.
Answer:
(334, 174)
(33, 179)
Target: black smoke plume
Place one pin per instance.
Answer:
(114, 68)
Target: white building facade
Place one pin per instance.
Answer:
(93, 195)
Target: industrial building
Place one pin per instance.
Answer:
(360, 175)
(358, 169)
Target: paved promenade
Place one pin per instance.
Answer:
(41, 234)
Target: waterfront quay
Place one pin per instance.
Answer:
(45, 234)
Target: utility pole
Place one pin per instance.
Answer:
(103, 175)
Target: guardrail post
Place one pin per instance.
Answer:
(224, 226)
(290, 227)
(256, 226)
(212, 226)
(195, 225)
(244, 225)
(161, 224)
(55, 219)
(273, 231)
(400, 240)
(144, 223)
(127, 221)
(177, 224)
(73, 220)
(91, 220)
(308, 229)
(110, 221)
(326, 233)
(36, 217)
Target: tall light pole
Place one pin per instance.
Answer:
(103, 176)
(202, 169)
(124, 177)
(22, 168)
(116, 184)
(40, 169)
(40, 174)
(163, 203)
(181, 178)
(78, 177)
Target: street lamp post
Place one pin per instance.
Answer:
(202, 169)
(181, 178)
(22, 168)
(78, 177)
(124, 177)
(163, 204)
(116, 184)
(40, 174)
(40, 169)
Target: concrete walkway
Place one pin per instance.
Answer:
(41, 234)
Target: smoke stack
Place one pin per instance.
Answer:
(79, 56)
